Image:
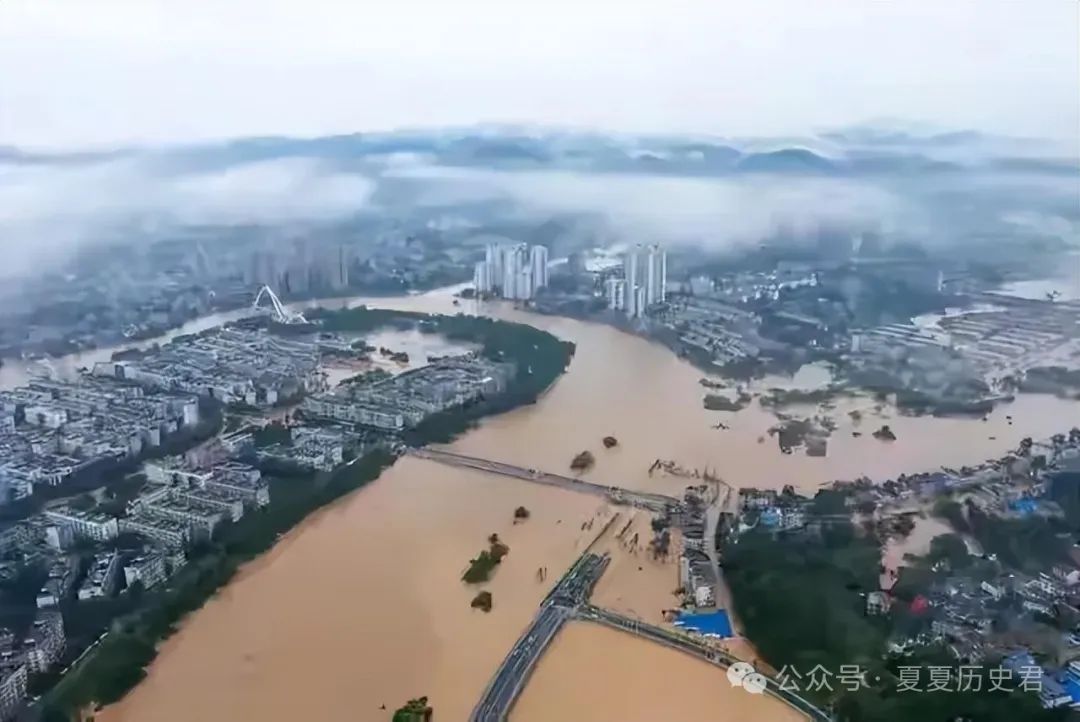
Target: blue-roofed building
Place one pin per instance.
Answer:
(771, 517)
(1018, 660)
(1053, 692)
(1072, 688)
(1023, 506)
(709, 624)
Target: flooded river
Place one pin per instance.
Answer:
(596, 674)
(362, 604)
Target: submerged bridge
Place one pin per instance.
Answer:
(568, 601)
(614, 494)
(695, 647)
(572, 590)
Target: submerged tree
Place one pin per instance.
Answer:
(482, 601)
(415, 710)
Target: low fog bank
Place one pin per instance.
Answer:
(933, 188)
(48, 211)
(709, 212)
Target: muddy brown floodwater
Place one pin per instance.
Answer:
(362, 604)
(597, 674)
(917, 543)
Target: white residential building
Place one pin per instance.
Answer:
(639, 301)
(616, 293)
(645, 276)
(148, 569)
(525, 288)
(630, 276)
(514, 271)
(517, 283)
(12, 691)
(102, 578)
(493, 257)
(482, 278)
(538, 261)
(655, 276)
(172, 534)
(511, 271)
(98, 527)
(45, 641)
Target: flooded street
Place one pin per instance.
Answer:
(420, 347)
(362, 605)
(917, 543)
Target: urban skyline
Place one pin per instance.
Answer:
(514, 272)
(640, 288)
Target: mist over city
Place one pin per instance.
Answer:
(949, 187)
(535, 362)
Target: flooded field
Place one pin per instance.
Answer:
(917, 543)
(636, 584)
(419, 347)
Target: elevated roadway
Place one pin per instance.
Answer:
(614, 494)
(572, 590)
(695, 647)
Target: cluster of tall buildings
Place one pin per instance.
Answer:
(512, 271)
(644, 281)
(301, 270)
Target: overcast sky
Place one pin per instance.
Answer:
(81, 72)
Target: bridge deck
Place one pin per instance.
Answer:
(615, 494)
(572, 590)
(694, 647)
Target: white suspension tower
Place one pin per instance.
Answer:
(281, 313)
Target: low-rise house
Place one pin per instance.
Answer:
(877, 603)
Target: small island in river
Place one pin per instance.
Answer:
(482, 601)
(481, 567)
(583, 461)
(885, 434)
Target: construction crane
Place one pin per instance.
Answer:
(281, 313)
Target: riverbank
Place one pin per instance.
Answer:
(151, 333)
(117, 664)
(819, 635)
(250, 654)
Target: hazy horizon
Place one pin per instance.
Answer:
(119, 73)
(612, 107)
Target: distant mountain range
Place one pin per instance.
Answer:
(856, 151)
